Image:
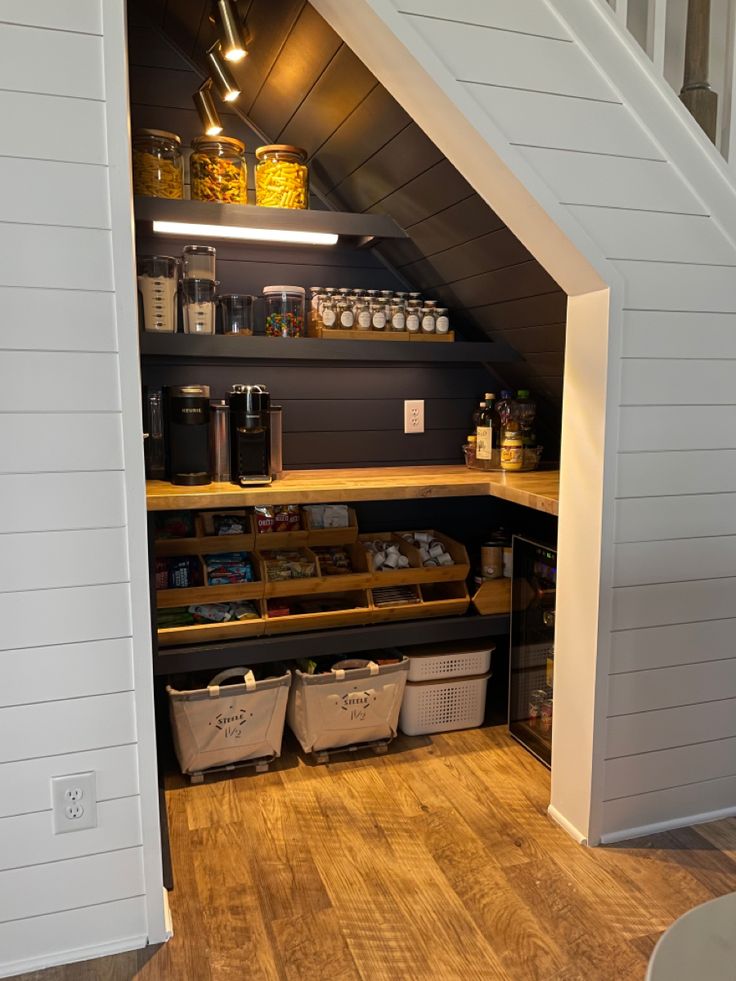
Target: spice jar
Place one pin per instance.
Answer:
(284, 311)
(363, 314)
(441, 320)
(345, 315)
(282, 177)
(398, 315)
(217, 170)
(428, 324)
(378, 313)
(413, 316)
(157, 165)
(328, 311)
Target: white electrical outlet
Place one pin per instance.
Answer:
(74, 802)
(414, 416)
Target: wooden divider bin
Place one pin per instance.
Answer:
(332, 536)
(458, 572)
(188, 596)
(493, 596)
(292, 587)
(393, 577)
(358, 613)
(360, 578)
(444, 599)
(410, 611)
(203, 633)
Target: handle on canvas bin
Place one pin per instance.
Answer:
(245, 673)
(339, 673)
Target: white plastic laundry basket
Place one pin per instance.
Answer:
(217, 726)
(345, 707)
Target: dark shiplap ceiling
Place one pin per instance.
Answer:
(301, 84)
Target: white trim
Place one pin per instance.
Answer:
(574, 833)
(115, 52)
(168, 918)
(671, 825)
(72, 956)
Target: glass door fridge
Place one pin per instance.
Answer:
(531, 665)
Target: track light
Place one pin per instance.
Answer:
(206, 108)
(233, 44)
(221, 75)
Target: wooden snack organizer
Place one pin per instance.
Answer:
(439, 590)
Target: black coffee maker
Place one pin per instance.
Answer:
(187, 422)
(250, 436)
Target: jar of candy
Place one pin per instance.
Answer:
(218, 171)
(284, 311)
(282, 177)
(157, 164)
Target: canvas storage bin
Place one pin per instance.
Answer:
(346, 706)
(216, 726)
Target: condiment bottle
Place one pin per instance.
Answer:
(512, 447)
(483, 438)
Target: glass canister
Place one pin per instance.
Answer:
(237, 313)
(157, 164)
(198, 303)
(157, 284)
(218, 170)
(363, 314)
(199, 262)
(413, 316)
(441, 320)
(378, 313)
(345, 313)
(282, 177)
(284, 311)
(328, 310)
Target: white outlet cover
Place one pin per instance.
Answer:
(74, 802)
(414, 415)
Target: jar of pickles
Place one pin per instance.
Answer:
(282, 177)
(218, 171)
(157, 164)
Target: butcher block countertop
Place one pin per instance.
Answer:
(537, 489)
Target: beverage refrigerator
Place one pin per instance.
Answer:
(531, 664)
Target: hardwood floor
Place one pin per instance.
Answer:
(436, 862)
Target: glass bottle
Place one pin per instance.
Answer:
(378, 313)
(413, 316)
(442, 321)
(363, 314)
(483, 438)
(345, 316)
(428, 324)
(398, 315)
(328, 313)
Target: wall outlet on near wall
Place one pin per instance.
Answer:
(414, 416)
(74, 802)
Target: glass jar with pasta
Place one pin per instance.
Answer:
(218, 170)
(157, 166)
(282, 177)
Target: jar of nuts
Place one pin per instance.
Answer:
(157, 166)
(218, 171)
(282, 177)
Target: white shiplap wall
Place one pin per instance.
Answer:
(573, 112)
(74, 659)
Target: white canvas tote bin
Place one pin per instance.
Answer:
(216, 726)
(344, 707)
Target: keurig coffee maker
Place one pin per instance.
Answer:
(250, 436)
(187, 419)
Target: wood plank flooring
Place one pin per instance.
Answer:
(436, 862)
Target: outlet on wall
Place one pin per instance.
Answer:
(414, 416)
(74, 802)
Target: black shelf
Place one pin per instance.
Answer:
(361, 229)
(348, 640)
(229, 347)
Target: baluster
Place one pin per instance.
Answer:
(657, 32)
(696, 92)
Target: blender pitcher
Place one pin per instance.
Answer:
(157, 283)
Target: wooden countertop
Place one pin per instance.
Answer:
(538, 489)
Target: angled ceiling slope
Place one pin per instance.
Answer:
(301, 84)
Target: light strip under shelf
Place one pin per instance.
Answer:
(245, 234)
